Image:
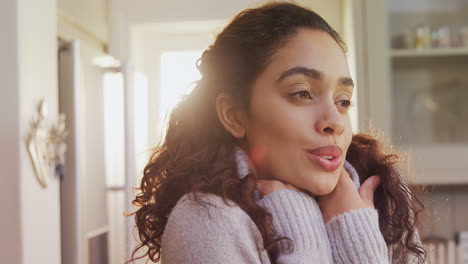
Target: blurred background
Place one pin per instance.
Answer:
(115, 68)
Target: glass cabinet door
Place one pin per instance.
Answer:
(429, 99)
(413, 64)
(429, 71)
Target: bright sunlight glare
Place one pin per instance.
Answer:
(114, 128)
(178, 73)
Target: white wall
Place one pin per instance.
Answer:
(92, 15)
(37, 56)
(119, 32)
(123, 14)
(10, 225)
(330, 10)
(31, 228)
(155, 11)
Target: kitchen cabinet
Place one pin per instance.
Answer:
(412, 68)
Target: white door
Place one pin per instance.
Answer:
(84, 221)
(71, 225)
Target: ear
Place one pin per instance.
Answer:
(231, 115)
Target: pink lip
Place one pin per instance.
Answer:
(329, 165)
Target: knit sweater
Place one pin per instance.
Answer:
(223, 233)
(202, 228)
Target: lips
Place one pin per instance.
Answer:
(328, 157)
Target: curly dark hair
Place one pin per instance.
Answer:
(196, 154)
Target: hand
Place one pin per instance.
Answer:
(265, 187)
(345, 196)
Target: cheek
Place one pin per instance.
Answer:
(347, 134)
(272, 131)
(274, 137)
(271, 120)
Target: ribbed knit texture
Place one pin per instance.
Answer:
(223, 233)
(355, 237)
(298, 217)
(211, 233)
(216, 232)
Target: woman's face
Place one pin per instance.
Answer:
(298, 128)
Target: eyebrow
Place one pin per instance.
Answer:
(314, 74)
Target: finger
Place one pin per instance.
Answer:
(345, 182)
(368, 188)
(262, 186)
(341, 179)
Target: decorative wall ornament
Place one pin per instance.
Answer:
(46, 147)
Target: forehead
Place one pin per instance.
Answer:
(311, 49)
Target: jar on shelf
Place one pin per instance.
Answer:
(423, 37)
(444, 39)
(463, 36)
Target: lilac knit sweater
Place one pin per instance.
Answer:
(223, 233)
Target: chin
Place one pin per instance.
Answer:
(323, 190)
(323, 185)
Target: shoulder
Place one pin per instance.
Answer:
(202, 225)
(208, 207)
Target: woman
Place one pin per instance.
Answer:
(259, 164)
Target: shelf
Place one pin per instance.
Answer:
(436, 52)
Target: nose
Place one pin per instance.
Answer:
(330, 121)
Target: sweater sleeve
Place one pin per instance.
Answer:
(355, 237)
(214, 233)
(297, 216)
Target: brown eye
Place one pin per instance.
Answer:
(344, 103)
(302, 94)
